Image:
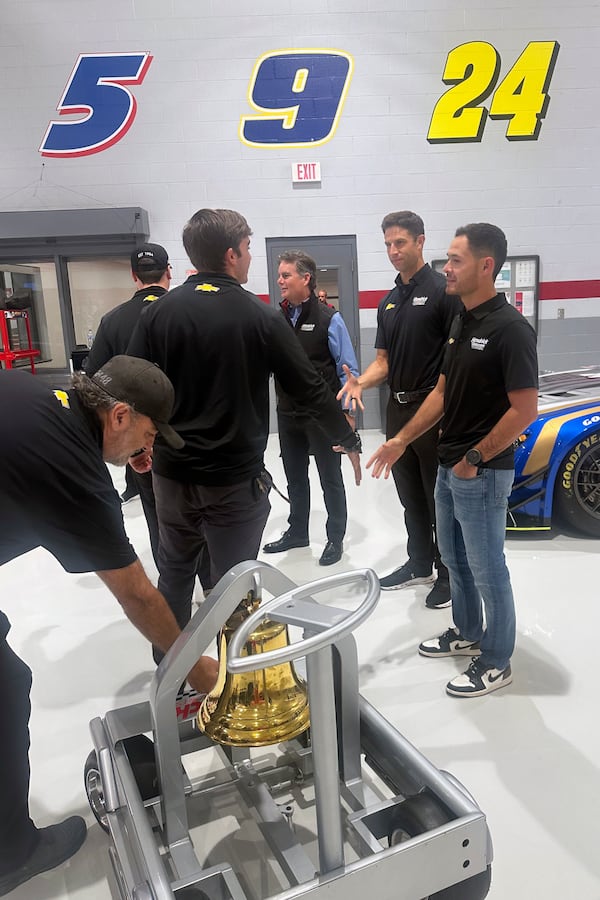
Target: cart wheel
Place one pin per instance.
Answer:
(422, 813)
(140, 751)
(94, 790)
(416, 815)
(475, 888)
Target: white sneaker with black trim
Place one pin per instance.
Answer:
(479, 679)
(450, 643)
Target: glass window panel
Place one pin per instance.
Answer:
(33, 286)
(97, 285)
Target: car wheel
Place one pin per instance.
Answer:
(577, 490)
(419, 814)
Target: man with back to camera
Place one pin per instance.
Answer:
(151, 273)
(218, 344)
(324, 338)
(58, 494)
(413, 322)
(486, 396)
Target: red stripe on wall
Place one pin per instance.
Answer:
(549, 290)
(569, 290)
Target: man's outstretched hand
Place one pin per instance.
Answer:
(385, 456)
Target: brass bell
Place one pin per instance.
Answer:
(258, 708)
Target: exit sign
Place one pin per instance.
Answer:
(306, 171)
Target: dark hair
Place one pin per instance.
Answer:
(91, 395)
(406, 219)
(485, 240)
(149, 276)
(304, 264)
(210, 233)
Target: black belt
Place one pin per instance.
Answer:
(411, 396)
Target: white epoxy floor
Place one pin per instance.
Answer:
(529, 753)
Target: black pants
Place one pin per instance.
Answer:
(414, 476)
(18, 834)
(143, 483)
(230, 519)
(298, 438)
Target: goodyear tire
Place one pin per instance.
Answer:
(419, 814)
(140, 751)
(577, 490)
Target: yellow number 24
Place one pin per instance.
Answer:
(521, 97)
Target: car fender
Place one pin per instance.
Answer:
(574, 434)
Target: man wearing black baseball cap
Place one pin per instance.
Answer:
(57, 493)
(151, 274)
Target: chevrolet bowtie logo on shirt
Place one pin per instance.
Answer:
(150, 298)
(207, 287)
(419, 301)
(390, 306)
(478, 343)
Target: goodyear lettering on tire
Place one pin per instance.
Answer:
(573, 459)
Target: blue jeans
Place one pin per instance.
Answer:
(471, 523)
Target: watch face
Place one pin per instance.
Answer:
(473, 457)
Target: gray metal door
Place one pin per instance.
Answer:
(337, 272)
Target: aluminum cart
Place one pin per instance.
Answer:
(308, 818)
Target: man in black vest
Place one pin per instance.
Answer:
(325, 340)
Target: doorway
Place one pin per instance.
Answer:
(337, 273)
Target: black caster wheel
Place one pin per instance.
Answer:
(419, 814)
(140, 751)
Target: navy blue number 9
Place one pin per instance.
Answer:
(299, 95)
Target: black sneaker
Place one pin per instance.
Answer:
(439, 595)
(405, 576)
(57, 843)
(450, 643)
(479, 679)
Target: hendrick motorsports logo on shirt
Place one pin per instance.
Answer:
(478, 343)
(419, 301)
(309, 327)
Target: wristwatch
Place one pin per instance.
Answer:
(473, 456)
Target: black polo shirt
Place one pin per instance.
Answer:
(490, 352)
(218, 344)
(116, 327)
(56, 490)
(413, 322)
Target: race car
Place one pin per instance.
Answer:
(557, 460)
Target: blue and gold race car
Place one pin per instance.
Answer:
(557, 461)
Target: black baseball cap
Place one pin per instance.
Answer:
(149, 256)
(145, 388)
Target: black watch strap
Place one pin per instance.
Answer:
(354, 445)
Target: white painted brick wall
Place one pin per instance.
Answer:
(183, 150)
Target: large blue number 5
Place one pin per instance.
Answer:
(97, 89)
(299, 95)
